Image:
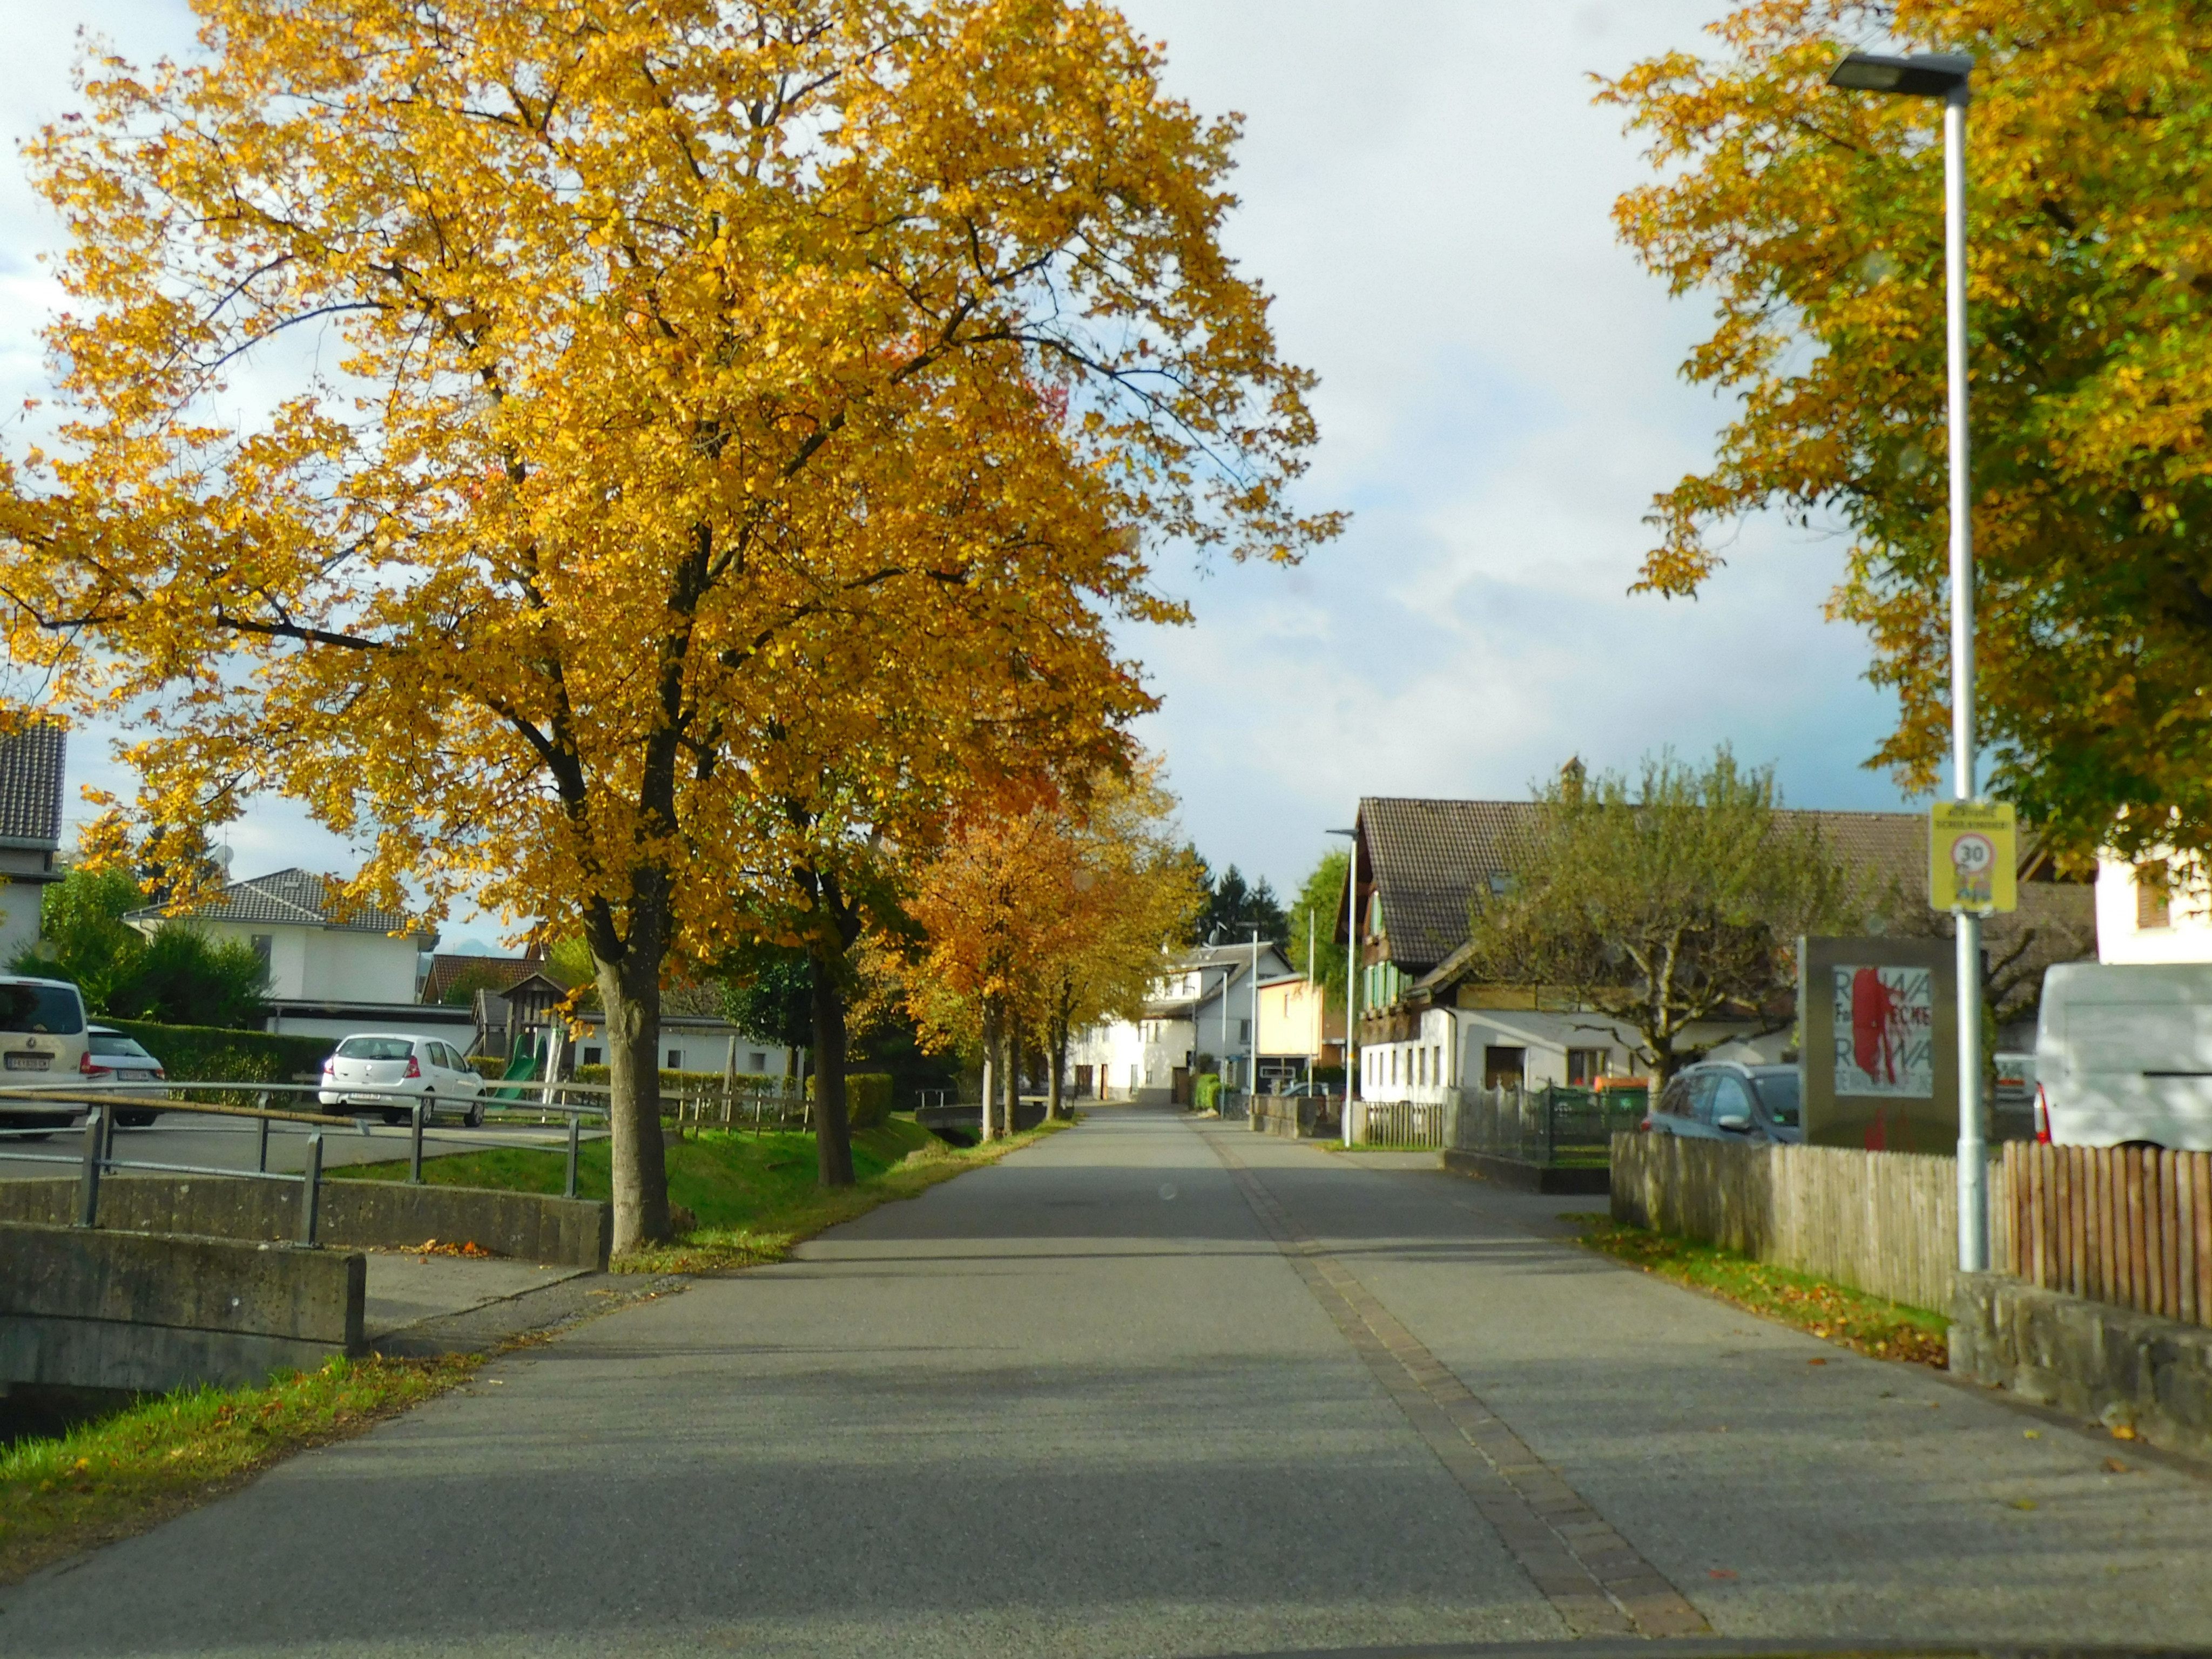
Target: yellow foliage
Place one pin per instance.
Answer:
(634, 463)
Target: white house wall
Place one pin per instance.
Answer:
(1448, 1051)
(19, 918)
(2186, 935)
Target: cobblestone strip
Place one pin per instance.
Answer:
(1593, 1577)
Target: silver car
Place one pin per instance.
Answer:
(113, 1061)
(388, 1072)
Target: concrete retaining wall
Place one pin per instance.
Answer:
(570, 1232)
(1302, 1117)
(2091, 1359)
(88, 1308)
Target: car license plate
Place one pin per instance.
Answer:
(29, 1062)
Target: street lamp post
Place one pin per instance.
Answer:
(1252, 1037)
(1949, 77)
(1351, 971)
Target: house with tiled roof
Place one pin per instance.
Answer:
(319, 947)
(31, 761)
(1429, 1023)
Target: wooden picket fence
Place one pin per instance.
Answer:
(1885, 1223)
(2126, 1225)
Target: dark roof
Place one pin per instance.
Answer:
(297, 898)
(1428, 858)
(504, 971)
(31, 783)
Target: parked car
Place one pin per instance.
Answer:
(42, 1043)
(385, 1070)
(113, 1061)
(1726, 1100)
(2123, 1053)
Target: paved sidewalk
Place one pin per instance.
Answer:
(1112, 1397)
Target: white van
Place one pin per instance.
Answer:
(2123, 1053)
(43, 1044)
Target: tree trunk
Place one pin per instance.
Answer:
(1014, 1070)
(1056, 1065)
(629, 990)
(991, 1068)
(833, 1134)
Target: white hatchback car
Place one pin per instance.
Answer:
(386, 1071)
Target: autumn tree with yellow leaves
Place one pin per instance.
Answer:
(1047, 917)
(1812, 219)
(635, 463)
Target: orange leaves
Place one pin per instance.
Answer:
(1059, 909)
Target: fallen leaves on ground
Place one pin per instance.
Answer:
(2113, 1466)
(437, 1247)
(1868, 1324)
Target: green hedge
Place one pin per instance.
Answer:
(209, 1053)
(868, 1098)
(1206, 1092)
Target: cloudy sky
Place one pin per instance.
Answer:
(1425, 190)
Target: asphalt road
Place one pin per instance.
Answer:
(1154, 1388)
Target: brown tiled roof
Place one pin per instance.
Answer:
(1427, 858)
(31, 783)
(297, 898)
(506, 971)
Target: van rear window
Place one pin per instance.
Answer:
(375, 1048)
(51, 1009)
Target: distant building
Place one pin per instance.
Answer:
(31, 762)
(318, 949)
(1199, 1018)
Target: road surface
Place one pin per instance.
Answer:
(1154, 1387)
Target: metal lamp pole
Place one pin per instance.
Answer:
(1351, 972)
(1252, 1038)
(1949, 77)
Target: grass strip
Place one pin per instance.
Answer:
(1852, 1319)
(745, 1198)
(122, 1475)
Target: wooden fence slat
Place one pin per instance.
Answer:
(2139, 1280)
(2077, 1229)
(2200, 1192)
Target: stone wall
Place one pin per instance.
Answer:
(1299, 1117)
(2089, 1359)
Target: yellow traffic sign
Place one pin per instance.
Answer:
(1972, 857)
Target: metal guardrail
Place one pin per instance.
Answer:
(97, 1157)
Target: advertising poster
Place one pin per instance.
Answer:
(1885, 1031)
(1878, 1043)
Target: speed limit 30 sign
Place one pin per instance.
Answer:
(1972, 857)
